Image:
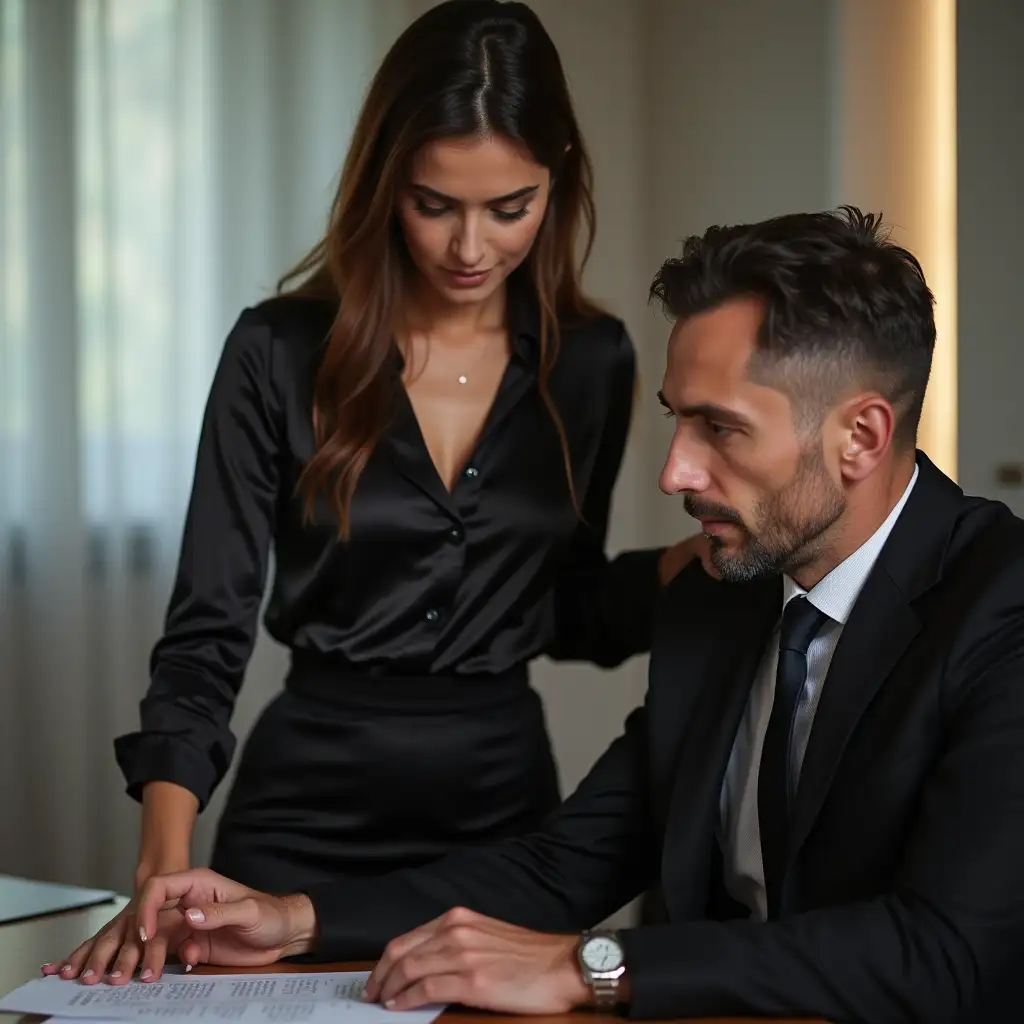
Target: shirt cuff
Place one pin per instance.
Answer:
(156, 757)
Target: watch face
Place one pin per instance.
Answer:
(602, 953)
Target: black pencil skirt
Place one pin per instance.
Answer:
(349, 774)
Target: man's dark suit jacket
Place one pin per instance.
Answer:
(904, 897)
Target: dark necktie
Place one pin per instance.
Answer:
(775, 784)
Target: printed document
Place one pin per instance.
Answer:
(236, 998)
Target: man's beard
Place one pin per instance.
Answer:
(790, 525)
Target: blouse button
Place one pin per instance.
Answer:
(455, 534)
(472, 471)
(433, 615)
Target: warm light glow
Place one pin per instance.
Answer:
(895, 152)
(939, 422)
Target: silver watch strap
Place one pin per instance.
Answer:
(605, 991)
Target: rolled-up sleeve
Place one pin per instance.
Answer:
(198, 665)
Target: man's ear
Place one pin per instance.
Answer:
(866, 426)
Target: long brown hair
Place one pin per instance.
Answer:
(466, 67)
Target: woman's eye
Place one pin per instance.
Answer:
(511, 215)
(430, 211)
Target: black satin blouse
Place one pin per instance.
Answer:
(473, 582)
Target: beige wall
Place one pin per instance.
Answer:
(990, 40)
(737, 118)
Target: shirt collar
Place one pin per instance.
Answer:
(837, 593)
(523, 317)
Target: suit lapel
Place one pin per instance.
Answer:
(731, 656)
(880, 628)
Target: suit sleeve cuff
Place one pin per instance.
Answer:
(357, 917)
(680, 971)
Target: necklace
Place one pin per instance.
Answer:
(463, 378)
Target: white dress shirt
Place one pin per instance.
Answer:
(740, 834)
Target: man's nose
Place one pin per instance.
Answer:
(684, 470)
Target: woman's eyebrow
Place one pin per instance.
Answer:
(442, 198)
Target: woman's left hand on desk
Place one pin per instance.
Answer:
(203, 917)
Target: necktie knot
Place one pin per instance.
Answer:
(801, 622)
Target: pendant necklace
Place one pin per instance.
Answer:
(463, 378)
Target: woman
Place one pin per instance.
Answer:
(426, 430)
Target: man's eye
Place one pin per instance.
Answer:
(719, 429)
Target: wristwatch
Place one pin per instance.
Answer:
(603, 963)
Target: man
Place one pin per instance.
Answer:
(827, 775)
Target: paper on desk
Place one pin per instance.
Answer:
(241, 998)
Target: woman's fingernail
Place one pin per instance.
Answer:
(89, 973)
(66, 969)
(142, 933)
(43, 968)
(195, 916)
(188, 967)
(115, 974)
(390, 1004)
(146, 974)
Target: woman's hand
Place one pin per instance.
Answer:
(115, 950)
(117, 946)
(202, 918)
(677, 557)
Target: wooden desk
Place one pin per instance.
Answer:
(26, 945)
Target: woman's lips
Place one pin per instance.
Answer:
(466, 279)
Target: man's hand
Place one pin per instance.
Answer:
(466, 958)
(677, 557)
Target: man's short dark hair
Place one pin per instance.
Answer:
(844, 306)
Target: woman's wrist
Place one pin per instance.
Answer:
(160, 862)
(168, 817)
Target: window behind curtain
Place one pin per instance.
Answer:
(143, 349)
(13, 412)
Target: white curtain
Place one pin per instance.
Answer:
(161, 162)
